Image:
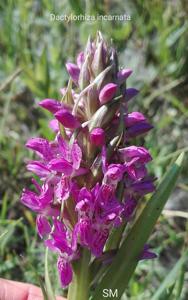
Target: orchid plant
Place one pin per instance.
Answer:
(92, 177)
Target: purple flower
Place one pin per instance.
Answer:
(43, 226)
(40, 203)
(122, 75)
(73, 71)
(59, 240)
(84, 232)
(65, 271)
(99, 239)
(130, 93)
(50, 104)
(114, 174)
(38, 168)
(134, 118)
(134, 153)
(142, 187)
(40, 146)
(61, 165)
(80, 59)
(97, 136)
(147, 254)
(54, 125)
(67, 119)
(107, 93)
(138, 129)
(129, 207)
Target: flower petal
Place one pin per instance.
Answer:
(65, 271)
(76, 153)
(43, 226)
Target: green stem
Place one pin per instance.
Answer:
(79, 288)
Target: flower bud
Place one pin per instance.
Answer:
(73, 71)
(104, 115)
(92, 101)
(51, 105)
(89, 47)
(138, 129)
(84, 76)
(134, 118)
(130, 93)
(107, 93)
(80, 59)
(66, 119)
(122, 75)
(97, 136)
(98, 60)
(147, 253)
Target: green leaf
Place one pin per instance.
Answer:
(126, 260)
(2, 235)
(171, 278)
(180, 282)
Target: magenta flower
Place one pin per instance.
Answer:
(146, 253)
(134, 118)
(50, 104)
(66, 119)
(73, 71)
(122, 75)
(130, 93)
(92, 175)
(43, 226)
(107, 93)
(97, 137)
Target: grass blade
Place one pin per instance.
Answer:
(171, 278)
(48, 284)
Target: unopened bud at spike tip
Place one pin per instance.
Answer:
(73, 71)
(122, 75)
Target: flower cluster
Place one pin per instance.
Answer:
(90, 176)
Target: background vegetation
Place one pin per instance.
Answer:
(33, 51)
